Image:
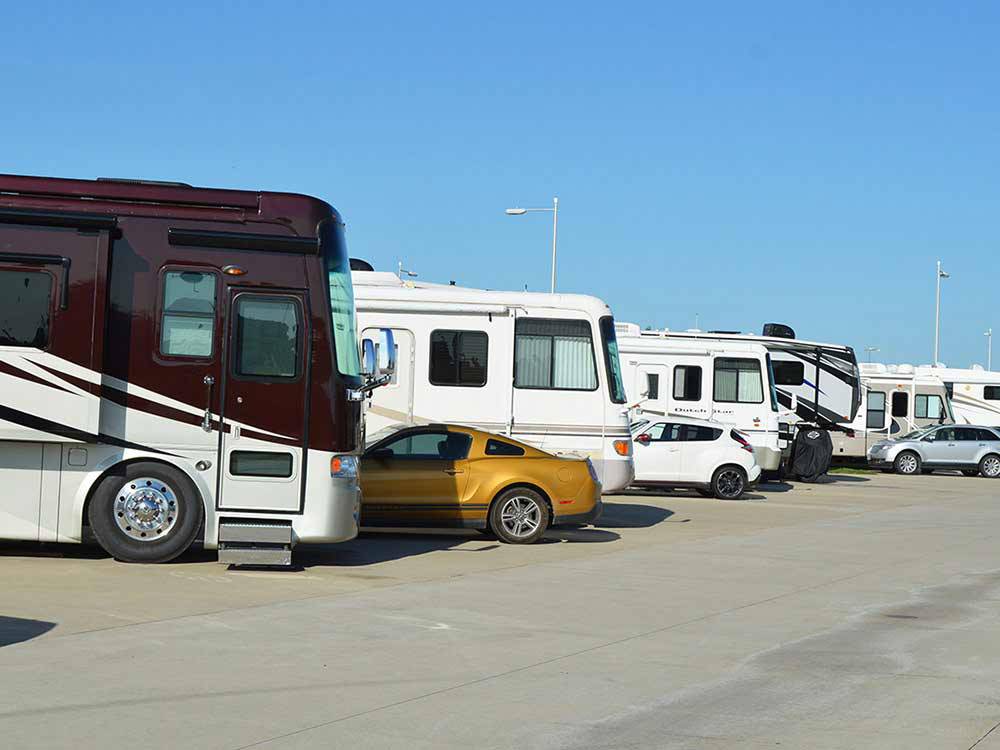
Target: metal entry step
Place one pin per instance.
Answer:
(243, 542)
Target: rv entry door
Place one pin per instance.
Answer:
(265, 401)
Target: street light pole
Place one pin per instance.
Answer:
(937, 312)
(869, 350)
(989, 348)
(555, 230)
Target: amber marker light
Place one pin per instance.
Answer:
(623, 447)
(234, 271)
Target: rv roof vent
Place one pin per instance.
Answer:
(779, 330)
(361, 265)
(729, 333)
(626, 329)
(873, 368)
(904, 369)
(978, 368)
(128, 181)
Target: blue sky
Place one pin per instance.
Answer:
(804, 162)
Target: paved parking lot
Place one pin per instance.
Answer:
(863, 613)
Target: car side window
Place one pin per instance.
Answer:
(966, 433)
(436, 445)
(668, 433)
(500, 448)
(699, 433)
(947, 434)
(985, 434)
(655, 431)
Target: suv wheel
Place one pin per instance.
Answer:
(989, 467)
(729, 482)
(907, 462)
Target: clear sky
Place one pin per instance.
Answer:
(803, 162)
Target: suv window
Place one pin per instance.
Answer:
(985, 434)
(665, 433)
(700, 433)
(966, 433)
(438, 445)
(25, 304)
(947, 434)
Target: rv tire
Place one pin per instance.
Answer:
(145, 512)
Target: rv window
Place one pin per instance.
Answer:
(900, 404)
(991, 392)
(876, 410)
(500, 448)
(612, 363)
(260, 464)
(268, 342)
(459, 358)
(738, 381)
(554, 355)
(187, 323)
(927, 407)
(787, 372)
(652, 386)
(687, 383)
(25, 304)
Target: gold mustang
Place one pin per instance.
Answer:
(446, 475)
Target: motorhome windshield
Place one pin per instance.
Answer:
(345, 337)
(611, 361)
(772, 389)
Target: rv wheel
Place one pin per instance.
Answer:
(145, 512)
(519, 516)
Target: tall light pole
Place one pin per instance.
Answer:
(989, 348)
(555, 229)
(869, 350)
(937, 312)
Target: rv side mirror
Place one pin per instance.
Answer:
(644, 438)
(386, 353)
(368, 358)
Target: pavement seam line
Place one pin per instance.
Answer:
(984, 736)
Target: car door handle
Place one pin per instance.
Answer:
(453, 472)
(951, 445)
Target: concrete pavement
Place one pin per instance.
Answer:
(860, 613)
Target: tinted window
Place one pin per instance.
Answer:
(612, 363)
(946, 434)
(459, 357)
(267, 337)
(738, 380)
(991, 393)
(652, 386)
(788, 373)
(260, 464)
(665, 432)
(687, 383)
(699, 433)
(927, 407)
(500, 448)
(900, 404)
(25, 302)
(554, 355)
(966, 433)
(876, 409)
(447, 446)
(987, 434)
(187, 324)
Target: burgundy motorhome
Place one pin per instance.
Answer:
(176, 364)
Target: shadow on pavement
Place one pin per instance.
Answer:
(18, 629)
(631, 516)
(51, 549)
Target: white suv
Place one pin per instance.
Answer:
(710, 457)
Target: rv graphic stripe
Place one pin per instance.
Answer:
(39, 424)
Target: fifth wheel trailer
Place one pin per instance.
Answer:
(176, 364)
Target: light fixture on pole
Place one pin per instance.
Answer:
(937, 312)
(555, 228)
(869, 350)
(989, 348)
(403, 272)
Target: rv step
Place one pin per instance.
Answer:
(255, 543)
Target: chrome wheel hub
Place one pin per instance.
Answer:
(730, 483)
(146, 509)
(520, 516)
(908, 464)
(991, 467)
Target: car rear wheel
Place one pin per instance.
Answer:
(907, 463)
(519, 516)
(729, 482)
(989, 467)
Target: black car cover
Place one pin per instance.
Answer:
(812, 453)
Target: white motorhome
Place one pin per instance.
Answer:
(898, 399)
(542, 368)
(974, 393)
(725, 381)
(816, 383)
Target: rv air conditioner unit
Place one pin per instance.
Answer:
(779, 330)
(361, 265)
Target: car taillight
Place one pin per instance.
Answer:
(744, 443)
(592, 470)
(623, 447)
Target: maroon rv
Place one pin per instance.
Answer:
(176, 364)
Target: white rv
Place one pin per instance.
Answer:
(974, 393)
(725, 381)
(898, 399)
(542, 368)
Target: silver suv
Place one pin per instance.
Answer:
(972, 450)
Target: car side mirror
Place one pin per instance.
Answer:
(644, 438)
(929, 439)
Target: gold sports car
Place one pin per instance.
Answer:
(446, 475)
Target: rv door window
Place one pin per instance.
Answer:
(459, 358)
(268, 342)
(876, 410)
(554, 355)
(260, 464)
(991, 392)
(187, 322)
(927, 407)
(652, 386)
(900, 404)
(25, 308)
(787, 372)
(687, 383)
(738, 381)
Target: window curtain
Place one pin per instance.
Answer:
(574, 363)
